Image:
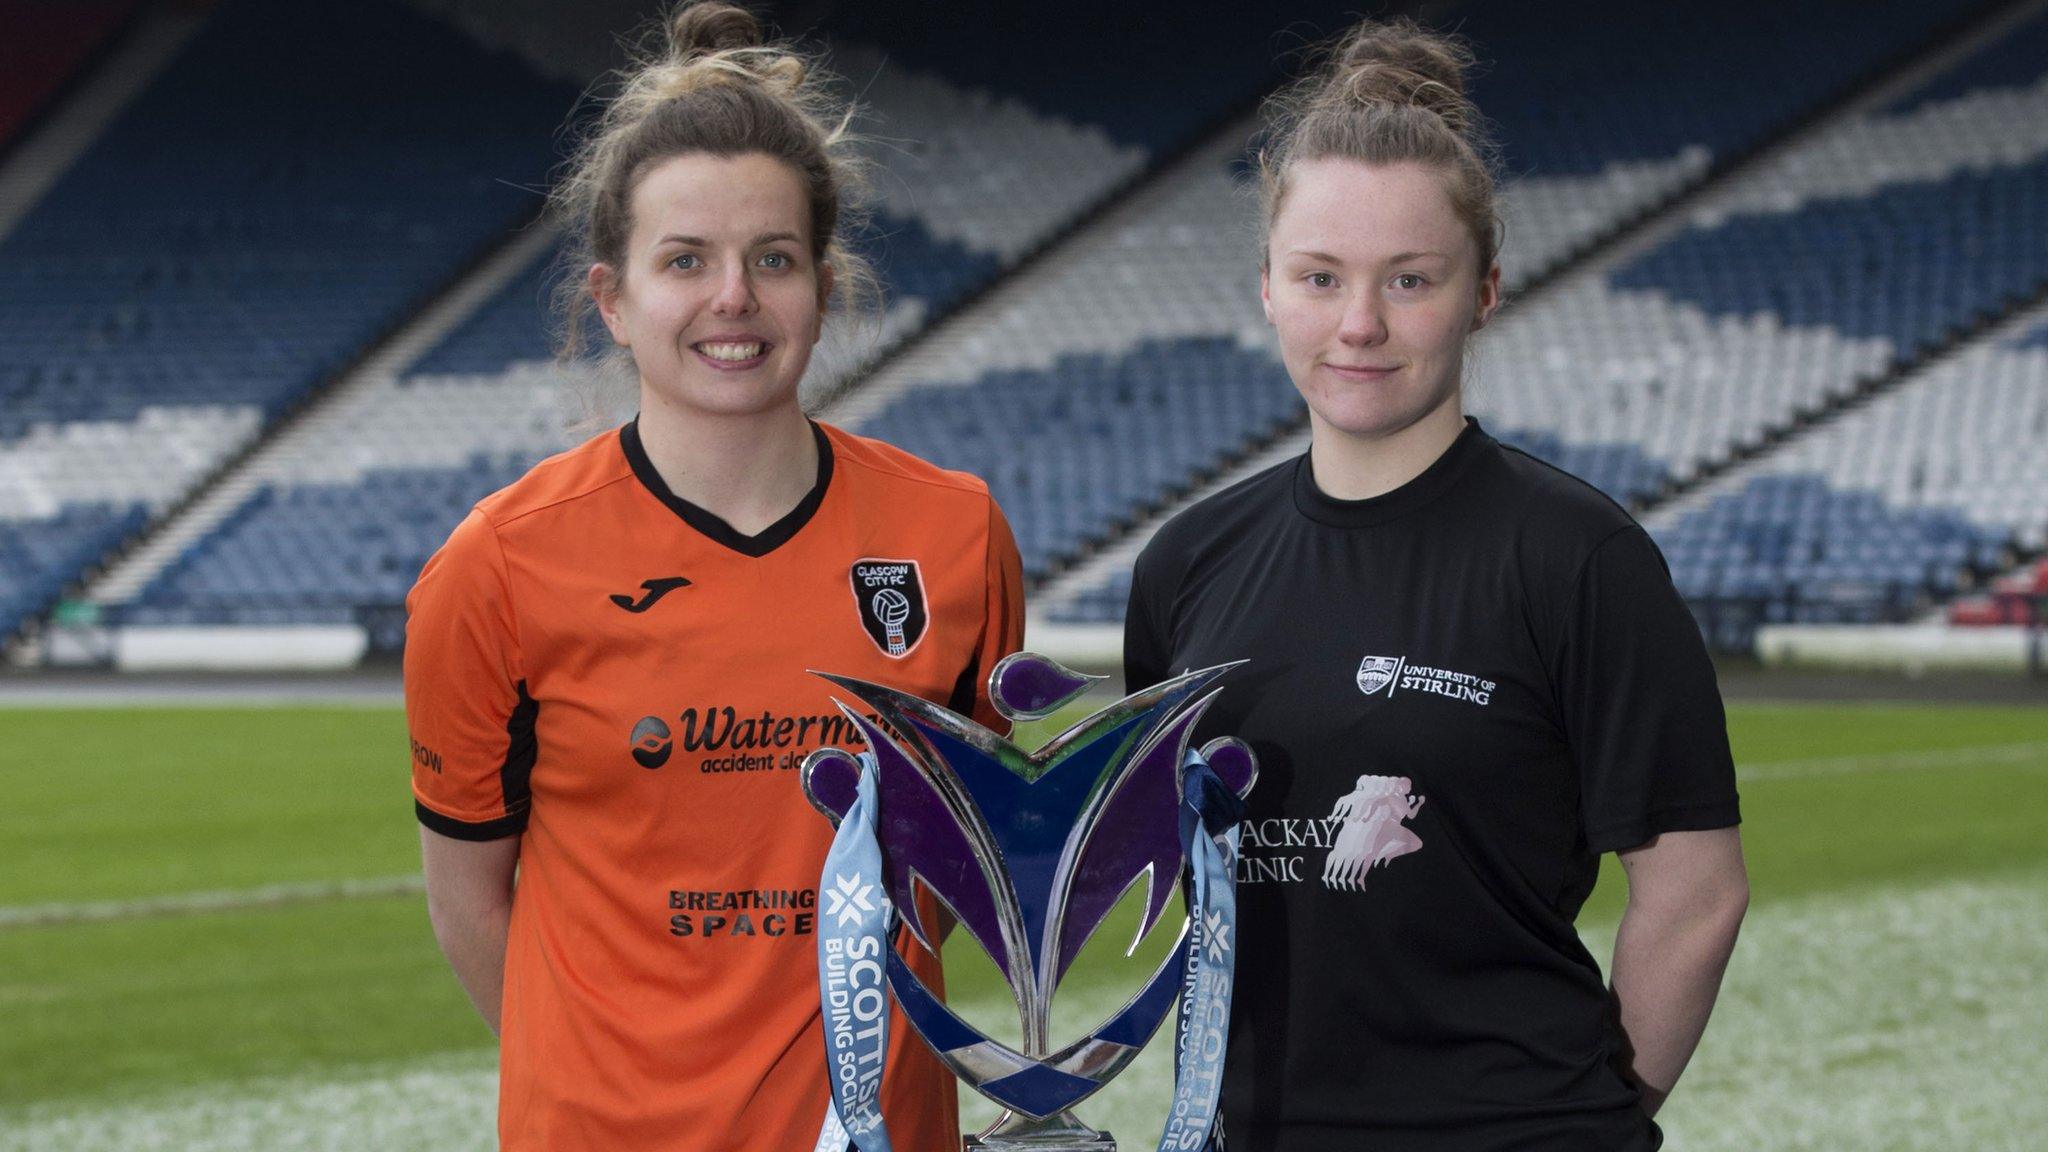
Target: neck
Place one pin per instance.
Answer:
(748, 470)
(1355, 467)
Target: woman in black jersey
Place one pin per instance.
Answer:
(1469, 677)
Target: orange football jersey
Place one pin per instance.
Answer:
(625, 681)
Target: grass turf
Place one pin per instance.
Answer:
(121, 803)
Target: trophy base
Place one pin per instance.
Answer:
(1013, 1132)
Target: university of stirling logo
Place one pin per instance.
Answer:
(1376, 673)
(1388, 674)
(890, 596)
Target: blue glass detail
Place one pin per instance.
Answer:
(1136, 1023)
(1040, 1091)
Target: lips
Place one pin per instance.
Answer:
(732, 351)
(731, 355)
(1363, 371)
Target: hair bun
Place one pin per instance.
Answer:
(1397, 62)
(712, 26)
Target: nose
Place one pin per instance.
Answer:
(735, 292)
(1363, 324)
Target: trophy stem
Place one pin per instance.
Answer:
(1016, 1132)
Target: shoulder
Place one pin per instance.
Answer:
(1553, 521)
(595, 466)
(472, 564)
(1559, 503)
(1571, 541)
(909, 483)
(1220, 519)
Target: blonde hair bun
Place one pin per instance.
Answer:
(712, 26)
(1400, 63)
(1389, 92)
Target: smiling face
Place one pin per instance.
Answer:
(1373, 284)
(716, 293)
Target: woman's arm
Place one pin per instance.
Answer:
(469, 902)
(1687, 892)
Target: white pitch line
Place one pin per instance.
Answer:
(2030, 754)
(194, 903)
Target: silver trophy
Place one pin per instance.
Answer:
(1028, 852)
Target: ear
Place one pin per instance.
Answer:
(1266, 291)
(1489, 297)
(604, 289)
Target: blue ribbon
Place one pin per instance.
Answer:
(1209, 822)
(853, 956)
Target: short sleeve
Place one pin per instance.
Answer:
(466, 704)
(1147, 649)
(1640, 705)
(1003, 620)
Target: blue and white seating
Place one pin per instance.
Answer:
(285, 191)
(1880, 513)
(1097, 385)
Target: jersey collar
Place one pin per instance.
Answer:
(1434, 481)
(711, 526)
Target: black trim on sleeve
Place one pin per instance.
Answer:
(962, 700)
(515, 775)
(455, 829)
(718, 531)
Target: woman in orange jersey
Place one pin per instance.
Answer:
(608, 665)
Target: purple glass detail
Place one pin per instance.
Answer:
(1139, 827)
(1028, 686)
(834, 782)
(1232, 762)
(920, 835)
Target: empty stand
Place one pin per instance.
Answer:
(1883, 511)
(1077, 450)
(1856, 249)
(1100, 383)
(1876, 240)
(1609, 112)
(280, 196)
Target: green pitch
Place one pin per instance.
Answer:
(178, 940)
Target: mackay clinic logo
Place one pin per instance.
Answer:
(1366, 829)
(1369, 822)
(890, 595)
(1392, 674)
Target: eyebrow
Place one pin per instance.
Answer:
(1400, 258)
(700, 242)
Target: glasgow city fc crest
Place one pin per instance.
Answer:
(890, 594)
(1376, 672)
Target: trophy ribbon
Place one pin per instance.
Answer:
(853, 951)
(1209, 828)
